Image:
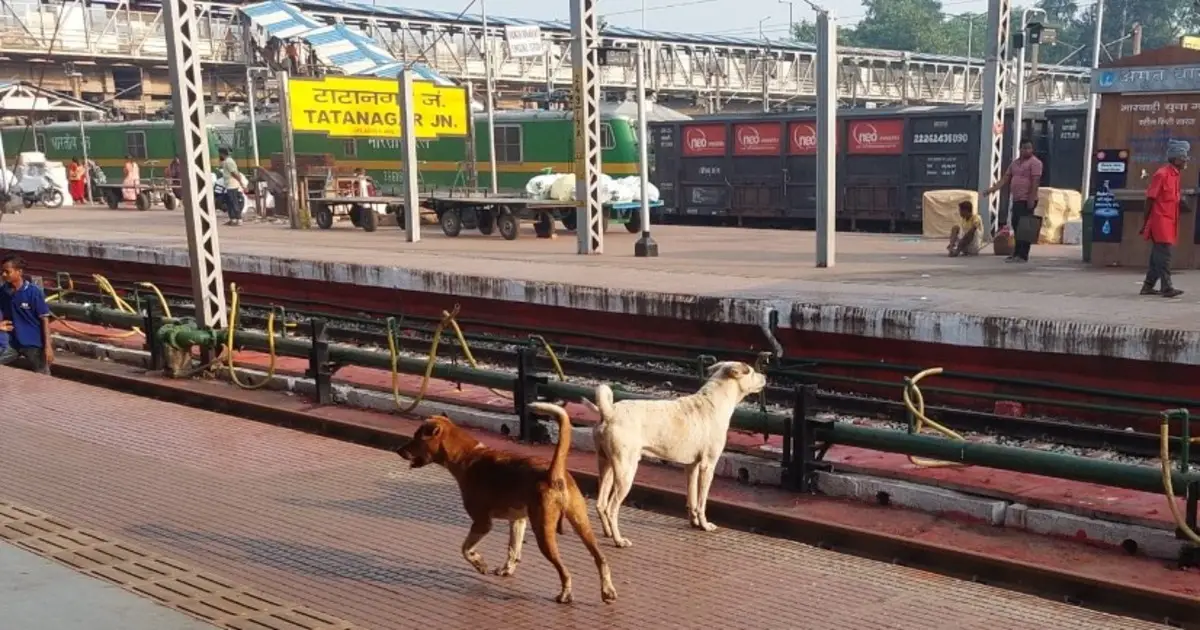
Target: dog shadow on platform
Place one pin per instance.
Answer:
(326, 562)
(403, 499)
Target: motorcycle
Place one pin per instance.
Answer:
(48, 194)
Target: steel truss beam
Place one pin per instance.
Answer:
(590, 219)
(208, 284)
(997, 71)
(114, 30)
(728, 73)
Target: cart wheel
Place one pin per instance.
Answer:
(634, 224)
(398, 212)
(487, 221)
(324, 218)
(510, 228)
(568, 220)
(368, 219)
(544, 225)
(169, 201)
(143, 201)
(451, 222)
(27, 202)
(356, 215)
(113, 198)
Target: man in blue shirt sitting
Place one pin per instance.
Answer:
(23, 306)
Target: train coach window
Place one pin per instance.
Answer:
(135, 144)
(39, 142)
(350, 148)
(508, 144)
(608, 140)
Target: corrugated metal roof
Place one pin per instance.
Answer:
(336, 45)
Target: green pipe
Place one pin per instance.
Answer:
(101, 315)
(1014, 459)
(1130, 477)
(1134, 411)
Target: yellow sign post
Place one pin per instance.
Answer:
(351, 107)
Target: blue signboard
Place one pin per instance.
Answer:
(1109, 171)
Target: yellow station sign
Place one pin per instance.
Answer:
(370, 108)
(1190, 41)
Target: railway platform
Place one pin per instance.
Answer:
(241, 523)
(889, 295)
(36, 592)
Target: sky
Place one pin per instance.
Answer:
(728, 17)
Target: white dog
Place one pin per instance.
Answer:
(690, 430)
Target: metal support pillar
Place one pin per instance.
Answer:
(490, 104)
(995, 82)
(319, 369)
(1089, 132)
(298, 218)
(525, 391)
(645, 246)
(260, 205)
(590, 219)
(187, 83)
(408, 131)
(472, 154)
(827, 102)
(83, 145)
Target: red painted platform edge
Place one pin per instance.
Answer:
(770, 508)
(1154, 378)
(1084, 499)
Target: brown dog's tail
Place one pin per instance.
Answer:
(558, 465)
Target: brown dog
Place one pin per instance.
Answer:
(495, 484)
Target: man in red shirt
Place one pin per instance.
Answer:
(1161, 225)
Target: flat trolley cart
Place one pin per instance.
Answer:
(363, 212)
(490, 213)
(148, 193)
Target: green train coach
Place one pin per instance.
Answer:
(528, 143)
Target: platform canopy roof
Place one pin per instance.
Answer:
(21, 97)
(336, 45)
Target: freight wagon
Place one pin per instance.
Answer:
(760, 170)
(527, 143)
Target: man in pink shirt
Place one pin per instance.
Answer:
(1023, 178)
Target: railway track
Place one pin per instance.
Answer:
(669, 375)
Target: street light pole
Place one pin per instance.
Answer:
(645, 246)
(1088, 133)
(486, 42)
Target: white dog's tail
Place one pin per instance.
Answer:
(604, 402)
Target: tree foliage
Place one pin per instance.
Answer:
(925, 26)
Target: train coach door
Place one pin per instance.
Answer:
(703, 182)
(801, 165)
(874, 171)
(756, 172)
(664, 158)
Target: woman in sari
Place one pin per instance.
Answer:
(76, 181)
(131, 180)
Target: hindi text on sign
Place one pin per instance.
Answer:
(370, 108)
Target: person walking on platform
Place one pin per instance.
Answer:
(23, 305)
(1161, 226)
(77, 181)
(1023, 178)
(235, 183)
